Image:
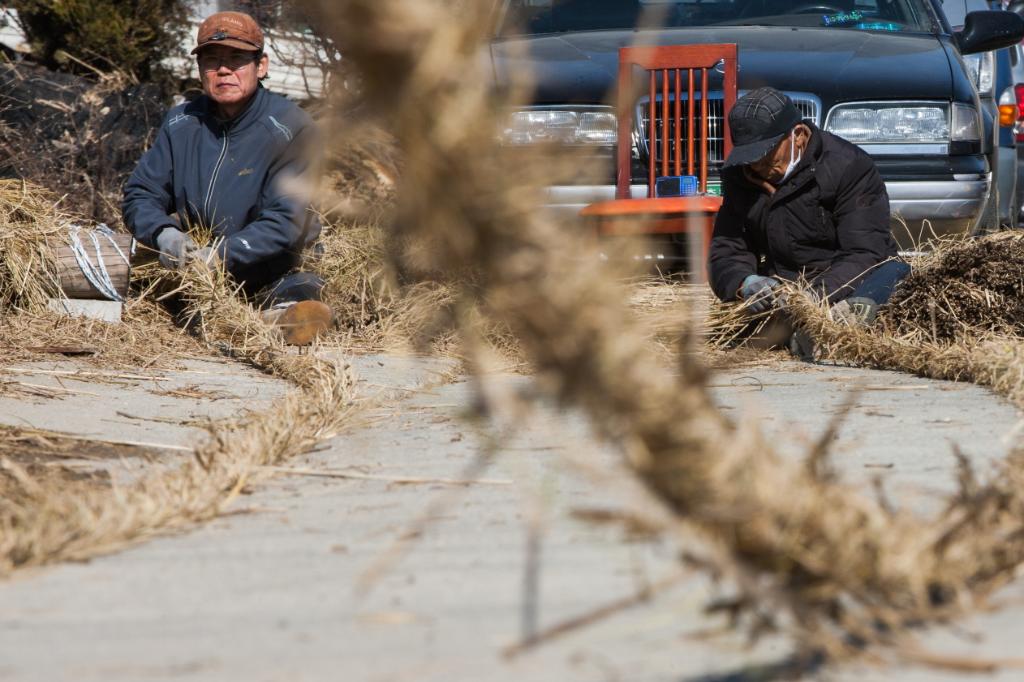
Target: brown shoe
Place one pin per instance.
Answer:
(300, 322)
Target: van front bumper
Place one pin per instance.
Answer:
(919, 208)
(939, 199)
(926, 209)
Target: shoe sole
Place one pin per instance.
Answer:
(303, 322)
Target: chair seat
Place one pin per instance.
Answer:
(663, 215)
(694, 216)
(661, 207)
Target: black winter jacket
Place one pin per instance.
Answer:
(237, 177)
(828, 222)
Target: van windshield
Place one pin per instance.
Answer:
(559, 16)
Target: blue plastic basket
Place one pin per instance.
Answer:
(676, 186)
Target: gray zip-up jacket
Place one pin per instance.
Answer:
(242, 178)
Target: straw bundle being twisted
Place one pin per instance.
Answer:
(216, 312)
(49, 519)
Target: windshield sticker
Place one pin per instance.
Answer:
(878, 26)
(841, 18)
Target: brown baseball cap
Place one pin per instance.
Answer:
(234, 29)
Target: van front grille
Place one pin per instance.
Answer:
(808, 106)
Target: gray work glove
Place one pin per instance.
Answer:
(175, 247)
(855, 312)
(758, 292)
(207, 256)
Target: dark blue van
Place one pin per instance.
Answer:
(887, 75)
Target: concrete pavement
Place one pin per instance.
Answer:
(271, 594)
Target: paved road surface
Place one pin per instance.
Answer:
(271, 594)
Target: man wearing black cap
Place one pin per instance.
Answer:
(799, 202)
(238, 161)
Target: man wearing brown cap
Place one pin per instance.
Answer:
(237, 160)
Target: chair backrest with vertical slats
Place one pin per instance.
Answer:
(670, 134)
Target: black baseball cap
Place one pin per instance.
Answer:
(757, 122)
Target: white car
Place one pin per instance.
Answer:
(12, 40)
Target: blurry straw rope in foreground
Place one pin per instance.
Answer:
(845, 571)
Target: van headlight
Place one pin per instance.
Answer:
(966, 123)
(981, 68)
(587, 126)
(904, 122)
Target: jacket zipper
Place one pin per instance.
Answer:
(213, 178)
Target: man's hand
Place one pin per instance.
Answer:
(758, 292)
(206, 255)
(175, 247)
(757, 180)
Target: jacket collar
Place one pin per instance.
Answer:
(250, 114)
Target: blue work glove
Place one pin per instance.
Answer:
(174, 246)
(758, 292)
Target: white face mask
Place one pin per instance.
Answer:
(793, 158)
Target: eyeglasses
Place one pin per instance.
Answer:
(234, 61)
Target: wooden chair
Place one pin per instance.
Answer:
(671, 147)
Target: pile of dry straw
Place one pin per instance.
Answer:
(46, 518)
(962, 290)
(31, 229)
(959, 315)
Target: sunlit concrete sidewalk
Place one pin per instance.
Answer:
(304, 582)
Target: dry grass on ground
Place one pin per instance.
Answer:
(147, 337)
(49, 513)
(31, 229)
(376, 313)
(53, 516)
